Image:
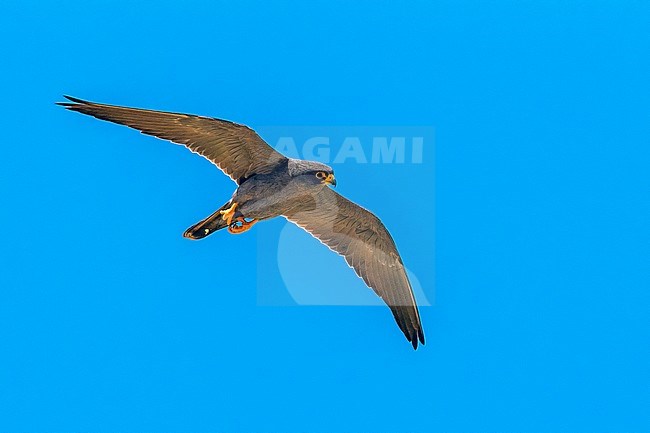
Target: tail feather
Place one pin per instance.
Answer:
(207, 226)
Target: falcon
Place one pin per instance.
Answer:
(271, 185)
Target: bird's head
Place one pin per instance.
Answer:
(313, 172)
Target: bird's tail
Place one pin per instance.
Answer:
(208, 226)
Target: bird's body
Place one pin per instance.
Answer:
(271, 185)
(264, 196)
(268, 195)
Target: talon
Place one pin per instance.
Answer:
(228, 214)
(236, 229)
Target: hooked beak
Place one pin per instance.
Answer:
(330, 180)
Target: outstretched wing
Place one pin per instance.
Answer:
(236, 149)
(369, 249)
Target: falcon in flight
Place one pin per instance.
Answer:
(270, 185)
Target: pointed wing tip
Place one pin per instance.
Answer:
(419, 336)
(77, 100)
(73, 102)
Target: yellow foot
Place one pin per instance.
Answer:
(235, 228)
(227, 214)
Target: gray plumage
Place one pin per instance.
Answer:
(271, 185)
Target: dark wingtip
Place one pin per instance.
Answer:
(77, 100)
(419, 335)
(74, 102)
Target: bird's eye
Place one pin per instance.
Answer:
(321, 175)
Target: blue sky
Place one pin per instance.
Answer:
(111, 321)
